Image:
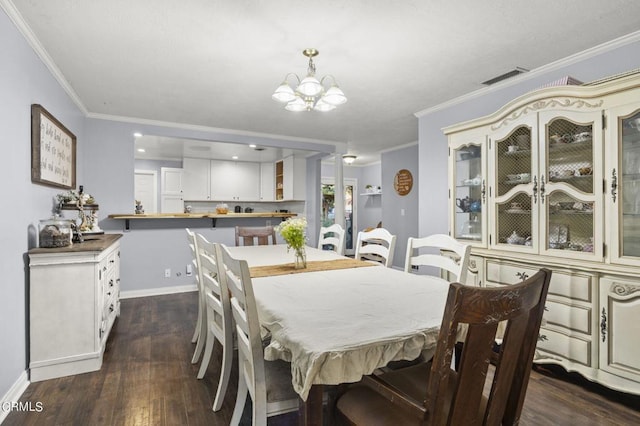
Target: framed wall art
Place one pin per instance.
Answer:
(53, 150)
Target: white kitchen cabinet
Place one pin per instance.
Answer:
(220, 180)
(552, 180)
(235, 180)
(74, 298)
(290, 178)
(267, 182)
(196, 179)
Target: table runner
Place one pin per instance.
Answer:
(312, 266)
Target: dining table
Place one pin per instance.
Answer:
(340, 318)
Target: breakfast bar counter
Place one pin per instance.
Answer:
(213, 216)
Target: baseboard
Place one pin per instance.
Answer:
(13, 395)
(157, 291)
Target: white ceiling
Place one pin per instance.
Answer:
(216, 63)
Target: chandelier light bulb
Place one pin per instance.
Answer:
(298, 104)
(310, 86)
(323, 106)
(284, 93)
(334, 96)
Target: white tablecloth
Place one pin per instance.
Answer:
(336, 326)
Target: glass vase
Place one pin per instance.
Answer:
(301, 258)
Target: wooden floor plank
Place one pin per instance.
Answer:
(147, 379)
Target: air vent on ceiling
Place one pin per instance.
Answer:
(258, 148)
(509, 74)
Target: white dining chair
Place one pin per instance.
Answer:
(332, 236)
(377, 244)
(438, 259)
(200, 332)
(267, 382)
(218, 319)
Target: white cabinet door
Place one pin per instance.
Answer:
(267, 181)
(246, 177)
(171, 203)
(235, 181)
(294, 178)
(623, 185)
(171, 182)
(222, 180)
(619, 327)
(196, 180)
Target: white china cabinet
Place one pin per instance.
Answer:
(552, 180)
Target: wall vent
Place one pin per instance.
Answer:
(509, 74)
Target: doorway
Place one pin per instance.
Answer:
(146, 189)
(327, 215)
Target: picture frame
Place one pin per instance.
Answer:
(53, 150)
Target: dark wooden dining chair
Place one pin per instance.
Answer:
(249, 234)
(433, 393)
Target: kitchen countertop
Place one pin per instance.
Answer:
(198, 215)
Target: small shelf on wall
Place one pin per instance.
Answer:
(372, 193)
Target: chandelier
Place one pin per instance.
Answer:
(310, 93)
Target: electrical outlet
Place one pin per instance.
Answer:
(416, 267)
(167, 273)
(189, 270)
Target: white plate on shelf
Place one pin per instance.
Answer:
(471, 236)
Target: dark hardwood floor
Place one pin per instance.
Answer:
(147, 379)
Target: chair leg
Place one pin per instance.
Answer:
(208, 350)
(241, 399)
(202, 338)
(196, 332)
(227, 360)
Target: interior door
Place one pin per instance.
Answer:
(327, 214)
(146, 190)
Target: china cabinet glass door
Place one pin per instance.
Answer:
(569, 197)
(469, 192)
(514, 151)
(624, 185)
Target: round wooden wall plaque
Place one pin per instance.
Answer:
(403, 182)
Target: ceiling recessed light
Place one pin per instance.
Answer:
(235, 157)
(141, 150)
(253, 145)
(137, 134)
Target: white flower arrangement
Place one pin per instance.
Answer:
(294, 232)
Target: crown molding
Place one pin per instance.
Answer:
(569, 60)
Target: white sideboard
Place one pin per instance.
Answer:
(73, 302)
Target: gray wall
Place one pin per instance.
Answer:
(24, 80)
(400, 213)
(433, 144)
